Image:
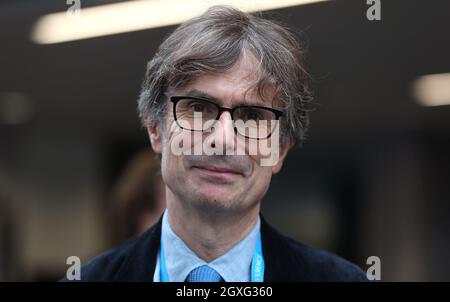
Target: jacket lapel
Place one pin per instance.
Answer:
(281, 264)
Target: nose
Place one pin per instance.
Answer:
(223, 136)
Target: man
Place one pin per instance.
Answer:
(221, 88)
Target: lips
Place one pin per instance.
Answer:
(217, 169)
(217, 175)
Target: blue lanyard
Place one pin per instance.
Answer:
(257, 267)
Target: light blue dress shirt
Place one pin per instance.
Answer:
(233, 266)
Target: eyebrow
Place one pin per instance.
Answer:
(201, 94)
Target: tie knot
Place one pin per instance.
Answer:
(204, 274)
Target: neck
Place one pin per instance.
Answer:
(210, 233)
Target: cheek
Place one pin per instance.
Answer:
(165, 166)
(172, 170)
(262, 152)
(264, 174)
(180, 141)
(170, 162)
(260, 182)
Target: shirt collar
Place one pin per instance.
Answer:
(233, 266)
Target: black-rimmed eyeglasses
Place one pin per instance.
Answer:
(197, 114)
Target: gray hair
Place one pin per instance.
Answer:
(212, 43)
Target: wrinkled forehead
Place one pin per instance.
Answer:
(241, 84)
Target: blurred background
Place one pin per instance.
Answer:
(373, 179)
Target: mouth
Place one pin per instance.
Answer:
(214, 172)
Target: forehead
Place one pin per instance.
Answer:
(236, 86)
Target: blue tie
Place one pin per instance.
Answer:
(204, 274)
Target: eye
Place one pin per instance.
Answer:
(253, 115)
(197, 107)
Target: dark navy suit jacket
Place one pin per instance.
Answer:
(285, 260)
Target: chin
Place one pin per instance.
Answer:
(215, 201)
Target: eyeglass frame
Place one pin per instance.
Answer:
(176, 99)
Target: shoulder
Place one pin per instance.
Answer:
(290, 260)
(107, 265)
(323, 265)
(133, 260)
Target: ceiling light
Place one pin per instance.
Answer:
(136, 15)
(432, 90)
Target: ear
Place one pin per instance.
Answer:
(155, 135)
(284, 148)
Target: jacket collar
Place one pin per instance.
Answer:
(280, 262)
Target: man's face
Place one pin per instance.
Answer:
(216, 181)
